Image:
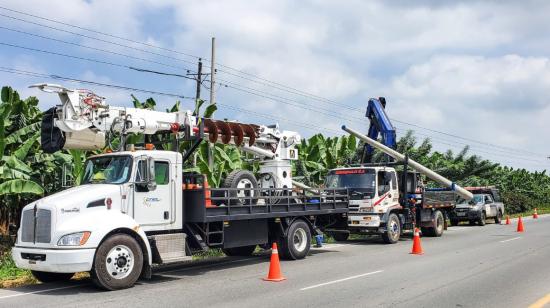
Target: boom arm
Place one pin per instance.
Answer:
(84, 119)
(420, 168)
(379, 124)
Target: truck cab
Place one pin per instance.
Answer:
(373, 192)
(128, 192)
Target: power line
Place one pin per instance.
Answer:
(295, 91)
(74, 80)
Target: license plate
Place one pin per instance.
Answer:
(354, 222)
(460, 214)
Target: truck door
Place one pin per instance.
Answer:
(153, 207)
(387, 188)
(490, 206)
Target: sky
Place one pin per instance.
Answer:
(471, 73)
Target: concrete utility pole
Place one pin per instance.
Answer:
(212, 98)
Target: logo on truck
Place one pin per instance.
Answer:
(148, 201)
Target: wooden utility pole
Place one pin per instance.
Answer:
(199, 80)
(212, 73)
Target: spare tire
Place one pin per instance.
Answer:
(244, 180)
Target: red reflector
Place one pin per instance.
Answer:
(108, 202)
(350, 171)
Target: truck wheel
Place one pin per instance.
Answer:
(454, 222)
(243, 251)
(437, 230)
(498, 218)
(296, 244)
(117, 263)
(245, 180)
(51, 277)
(439, 224)
(482, 219)
(393, 230)
(340, 236)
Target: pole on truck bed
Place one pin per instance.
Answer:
(420, 168)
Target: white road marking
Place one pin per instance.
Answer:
(511, 239)
(341, 280)
(40, 291)
(329, 246)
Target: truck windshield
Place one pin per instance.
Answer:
(360, 180)
(107, 170)
(475, 200)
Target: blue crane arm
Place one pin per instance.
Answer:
(379, 124)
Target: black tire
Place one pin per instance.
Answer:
(498, 218)
(482, 219)
(296, 244)
(454, 222)
(117, 246)
(243, 251)
(340, 236)
(439, 224)
(393, 230)
(51, 277)
(241, 177)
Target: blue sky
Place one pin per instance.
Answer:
(479, 70)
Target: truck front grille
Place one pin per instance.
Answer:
(36, 226)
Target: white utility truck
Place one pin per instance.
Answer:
(386, 202)
(136, 208)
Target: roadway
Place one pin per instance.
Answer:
(470, 266)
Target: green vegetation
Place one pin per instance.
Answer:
(27, 173)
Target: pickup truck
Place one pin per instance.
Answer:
(485, 204)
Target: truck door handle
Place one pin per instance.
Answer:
(166, 214)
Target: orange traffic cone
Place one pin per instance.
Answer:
(508, 219)
(274, 266)
(207, 194)
(535, 214)
(520, 225)
(417, 248)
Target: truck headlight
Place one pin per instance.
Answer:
(74, 239)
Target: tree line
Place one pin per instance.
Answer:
(27, 173)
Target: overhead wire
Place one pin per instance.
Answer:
(277, 98)
(266, 83)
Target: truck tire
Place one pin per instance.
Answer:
(243, 251)
(454, 222)
(117, 263)
(241, 179)
(482, 219)
(393, 230)
(498, 218)
(340, 236)
(437, 230)
(296, 244)
(51, 277)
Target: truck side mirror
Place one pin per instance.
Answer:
(151, 183)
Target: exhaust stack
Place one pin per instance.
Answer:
(418, 167)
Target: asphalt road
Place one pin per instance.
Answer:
(491, 266)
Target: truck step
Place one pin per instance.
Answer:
(171, 247)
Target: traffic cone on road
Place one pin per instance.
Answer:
(520, 225)
(535, 214)
(417, 248)
(508, 219)
(274, 266)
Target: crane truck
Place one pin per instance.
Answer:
(136, 208)
(384, 200)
